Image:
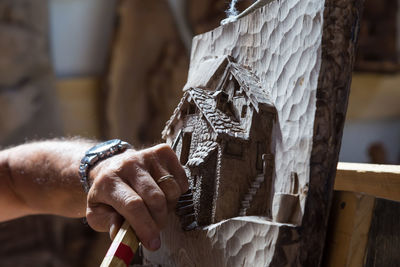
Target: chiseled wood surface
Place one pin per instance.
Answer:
(381, 181)
(303, 52)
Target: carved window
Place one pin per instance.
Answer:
(234, 149)
(186, 141)
(222, 99)
(261, 149)
(192, 109)
(244, 111)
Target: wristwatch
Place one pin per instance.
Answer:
(95, 154)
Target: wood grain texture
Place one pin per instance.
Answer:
(384, 235)
(286, 57)
(381, 181)
(303, 55)
(234, 242)
(349, 224)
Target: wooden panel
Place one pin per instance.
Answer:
(384, 236)
(300, 72)
(348, 228)
(381, 181)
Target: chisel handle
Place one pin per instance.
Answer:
(122, 249)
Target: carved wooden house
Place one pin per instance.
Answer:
(222, 131)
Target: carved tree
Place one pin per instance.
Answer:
(302, 52)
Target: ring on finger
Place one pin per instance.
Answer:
(164, 178)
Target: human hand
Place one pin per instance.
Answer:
(125, 184)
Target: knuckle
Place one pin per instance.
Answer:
(103, 181)
(175, 194)
(94, 221)
(134, 205)
(157, 201)
(90, 215)
(164, 151)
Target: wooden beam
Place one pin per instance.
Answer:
(382, 181)
(349, 223)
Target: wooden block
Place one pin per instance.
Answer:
(381, 181)
(348, 229)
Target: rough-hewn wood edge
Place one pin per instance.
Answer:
(340, 30)
(382, 181)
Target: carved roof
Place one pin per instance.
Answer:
(203, 151)
(174, 116)
(251, 86)
(219, 121)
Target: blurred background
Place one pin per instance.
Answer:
(104, 69)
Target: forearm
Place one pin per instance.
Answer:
(42, 178)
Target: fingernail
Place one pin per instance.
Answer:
(112, 231)
(155, 243)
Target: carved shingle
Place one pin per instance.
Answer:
(203, 151)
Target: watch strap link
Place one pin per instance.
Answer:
(97, 153)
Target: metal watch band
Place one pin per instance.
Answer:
(97, 153)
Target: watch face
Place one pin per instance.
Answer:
(103, 146)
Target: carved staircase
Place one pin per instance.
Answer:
(254, 186)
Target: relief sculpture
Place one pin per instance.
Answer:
(222, 134)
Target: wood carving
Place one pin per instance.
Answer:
(222, 130)
(258, 130)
